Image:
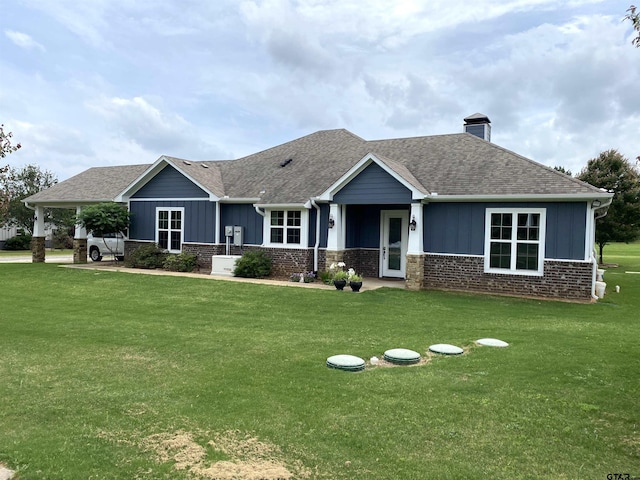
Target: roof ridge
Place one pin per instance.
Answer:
(417, 137)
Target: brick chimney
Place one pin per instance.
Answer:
(479, 125)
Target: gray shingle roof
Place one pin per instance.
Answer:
(456, 164)
(98, 184)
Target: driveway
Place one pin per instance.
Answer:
(51, 257)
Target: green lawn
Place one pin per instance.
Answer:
(108, 375)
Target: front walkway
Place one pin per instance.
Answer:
(367, 283)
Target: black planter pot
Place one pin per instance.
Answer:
(339, 284)
(355, 286)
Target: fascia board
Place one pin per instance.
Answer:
(513, 198)
(354, 171)
(283, 206)
(68, 203)
(238, 200)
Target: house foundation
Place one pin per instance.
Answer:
(561, 280)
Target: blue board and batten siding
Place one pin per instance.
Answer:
(243, 215)
(363, 224)
(169, 183)
(373, 186)
(199, 215)
(458, 228)
(199, 219)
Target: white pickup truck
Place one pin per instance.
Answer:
(109, 244)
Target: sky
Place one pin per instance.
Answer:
(112, 82)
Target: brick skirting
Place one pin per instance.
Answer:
(561, 280)
(365, 261)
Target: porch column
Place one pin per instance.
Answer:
(415, 249)
(335, 237)
(416, 237)
(80, 242)
(38, 238)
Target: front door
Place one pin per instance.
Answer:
(393, 243)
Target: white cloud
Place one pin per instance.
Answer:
(23, 40)
(137, 120)
(128, 81)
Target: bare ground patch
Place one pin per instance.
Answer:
(247, 457)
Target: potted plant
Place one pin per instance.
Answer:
(340, 279)
(355, 280)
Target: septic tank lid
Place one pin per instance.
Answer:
(346, 362)
(445, 349)
(492, 342)
(401, 356)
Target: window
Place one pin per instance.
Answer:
(514, 241)
(285, 227)
(169, 229)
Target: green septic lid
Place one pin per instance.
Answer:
(401, 356)
(346, 362)
(492, 342)
(446, 349)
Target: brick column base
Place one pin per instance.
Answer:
(333, 256)
(79, 250)
(37, 249)
(415, 272)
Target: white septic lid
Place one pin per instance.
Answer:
(492, 342)
(446, 349)
(401, 355)
(346, 362)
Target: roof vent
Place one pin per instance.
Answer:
(186, 163)
(286, 162)
(479, 125)
(204, 165)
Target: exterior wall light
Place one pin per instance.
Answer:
(413, 224)
(596, 204)
(332, 222)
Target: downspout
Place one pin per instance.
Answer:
(594, 257)
(316, 247)
(262, 214)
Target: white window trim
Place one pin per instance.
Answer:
(171, 209)
(541, 242)
(304, 228)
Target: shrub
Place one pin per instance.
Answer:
(19, 242)
(61, 239)
(182, 262)
(326, 277)
(146, 256)
(253, 264)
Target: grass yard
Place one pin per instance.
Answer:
(108, 375)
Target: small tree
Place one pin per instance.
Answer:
(18, 184)
(613, 172)
(634, 17)
(561, 169)
(104, 218)
(5, 143)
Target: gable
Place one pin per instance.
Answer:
(170, 183)
(373, 185)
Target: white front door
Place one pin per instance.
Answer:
(393, 243)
